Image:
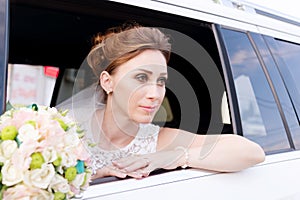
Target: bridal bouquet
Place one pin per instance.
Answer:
(41, 155)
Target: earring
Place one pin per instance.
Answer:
(108, 92)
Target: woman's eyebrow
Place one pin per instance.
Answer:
(150, 72)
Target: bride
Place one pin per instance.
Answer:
(131, 66)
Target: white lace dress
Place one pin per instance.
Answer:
(145, 142)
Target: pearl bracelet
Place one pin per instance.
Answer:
(186, 156)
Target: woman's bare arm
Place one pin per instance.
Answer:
(224, 153)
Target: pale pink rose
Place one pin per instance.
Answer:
(16, 192)
(24, 192)
(54, 141)
(81, 152)
(29, 146)
(43, 118)
(42, 195)
(71, 139)
(22, 116)
(50, 130)
(20, 161)
(51, 136)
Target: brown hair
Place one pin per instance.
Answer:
(120, 44)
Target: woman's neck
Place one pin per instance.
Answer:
(118, 132)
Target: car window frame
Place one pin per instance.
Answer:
(4, 14)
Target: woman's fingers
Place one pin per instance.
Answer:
(141, 166)
(136, 174)
(117, 172)
(141, 173)
(109, 171)
(123, 163)
(132, 164)
(138, 168)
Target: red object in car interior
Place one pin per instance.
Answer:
(51, 71)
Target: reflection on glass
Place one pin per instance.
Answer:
(260, 117)
(283, 89)
(287, 57)
(250, 114)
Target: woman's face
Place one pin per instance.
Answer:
(139, 87)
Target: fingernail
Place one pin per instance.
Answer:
(114, 162)
(145, 174)
(139, 174)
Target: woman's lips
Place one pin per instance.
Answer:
(149, 109)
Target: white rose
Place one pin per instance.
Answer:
(40, 178)
(52, 111)
(59, 184)
(28, 132)
(10, 174)
(49, 154)
(68, 158)
(5, 117)
(7, 149)
(71, 139)
(78, 181)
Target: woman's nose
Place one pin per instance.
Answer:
(153, 91)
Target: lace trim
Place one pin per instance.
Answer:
(145, 142)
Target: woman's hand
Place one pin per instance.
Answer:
(141, 166)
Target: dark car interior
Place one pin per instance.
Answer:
(59, 33)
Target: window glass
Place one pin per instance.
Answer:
(282, 92)
(27, 84)
(260, 118)
(288, 60)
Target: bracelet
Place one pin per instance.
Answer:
(186, 156)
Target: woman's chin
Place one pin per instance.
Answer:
(143, 119)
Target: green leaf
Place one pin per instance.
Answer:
(9, 106)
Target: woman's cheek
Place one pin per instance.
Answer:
(121, 95)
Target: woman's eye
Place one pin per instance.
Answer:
(162, 81)
(142, 78)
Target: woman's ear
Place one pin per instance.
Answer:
(106, 81)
